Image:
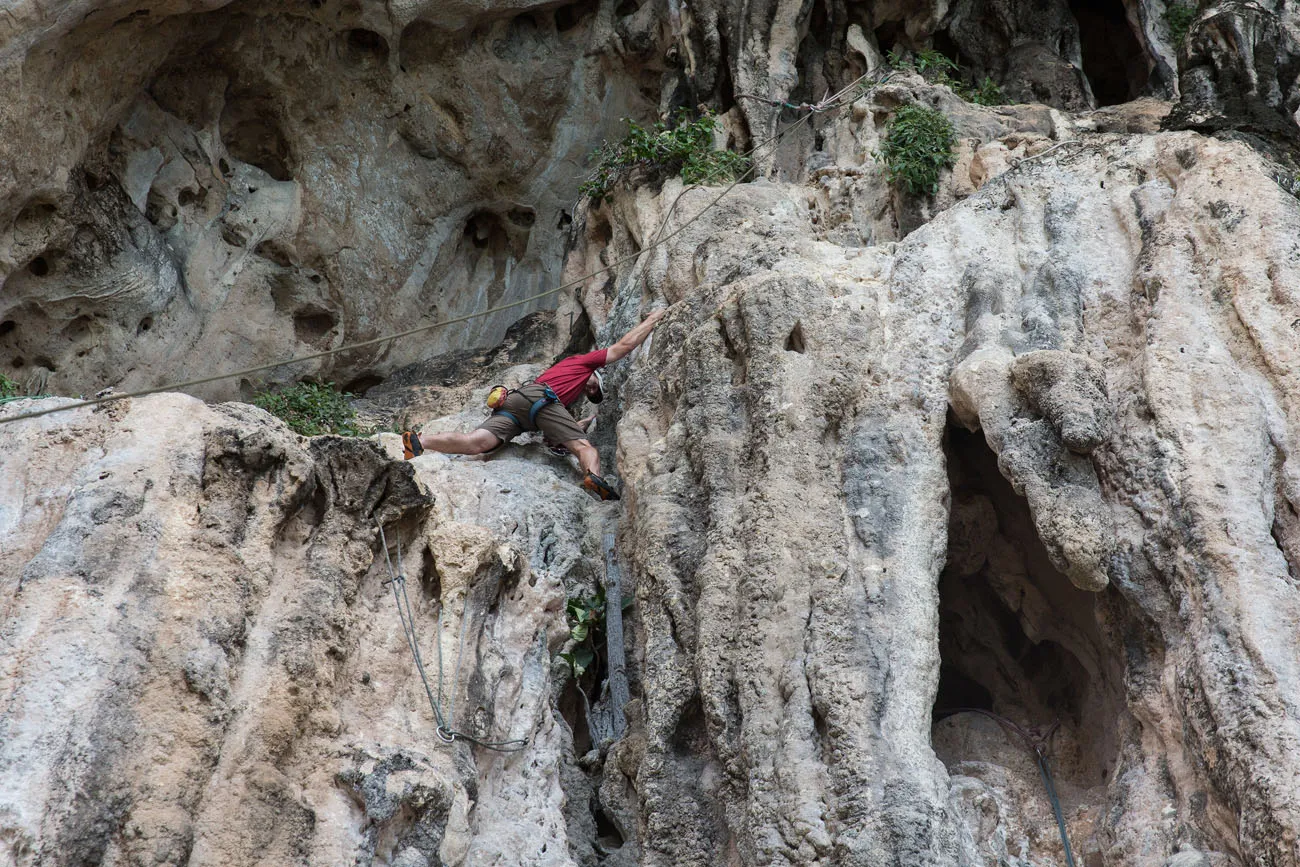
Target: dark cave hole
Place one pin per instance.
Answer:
(312, 324)
(691, 737)
(795, 342)
(251, 134)
(569, 17)
(1016, 638)
(146, 324)
(363, 383)
(607, 833)
(7, 327)
(430, 583)
(957, 691)
(888, 36)
(484, 230)
(366, 46)
(1113, 59)
(17, 363)
(626, 8)
(39, 266)
(943, 43)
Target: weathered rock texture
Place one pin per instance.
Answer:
(203, 661)
(892, 469)
(1116, 320)
(191, 190)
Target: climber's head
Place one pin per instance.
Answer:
(595, 387)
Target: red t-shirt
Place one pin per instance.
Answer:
(568, 377)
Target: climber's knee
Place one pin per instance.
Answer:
(480, 441)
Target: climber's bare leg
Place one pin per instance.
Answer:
(473, 443)
(588, 457)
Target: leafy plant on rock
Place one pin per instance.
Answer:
(586, 616)
(938, 68)
(9, 388)
(1179, 17)
(311, 409)
(684, 147)
(917, 146)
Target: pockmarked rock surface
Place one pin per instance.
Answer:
(825, 558)
(911, 487)
(204, 663)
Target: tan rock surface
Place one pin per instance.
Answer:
(890, 465)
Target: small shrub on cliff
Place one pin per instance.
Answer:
(586, 616)
(685, 148)
(1179, 17)
(8, 388)
(311, 410)
(917, 146)
(938, 68)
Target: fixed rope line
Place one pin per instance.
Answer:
(1039, 747)
(831, 101)
(446, 733)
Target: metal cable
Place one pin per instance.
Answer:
(1039, 747)
(405, 613)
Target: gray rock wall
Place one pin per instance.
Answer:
(893, 468)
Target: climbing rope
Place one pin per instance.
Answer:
(832, 101)
(445, 725)
(1038, 745)
(828, 102)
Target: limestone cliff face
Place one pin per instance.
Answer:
(892, 468)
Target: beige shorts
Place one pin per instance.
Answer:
(553, 420)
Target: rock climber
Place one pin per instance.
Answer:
(557, 389)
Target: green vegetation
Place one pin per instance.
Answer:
(1179, 17)
(311, 410)
(586, 615)
(937, 68)
(917, 146)
(685, 148)
(9, 388)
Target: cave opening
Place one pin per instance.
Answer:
(1016, 638)
(1113, 59)
(252, 134)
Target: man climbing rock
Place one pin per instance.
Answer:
(543, 405)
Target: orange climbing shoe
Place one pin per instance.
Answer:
(597, 486)
(411, 447)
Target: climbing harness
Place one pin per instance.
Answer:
(1039, 747)
(445, 728)
(548, 396)
(830, 102)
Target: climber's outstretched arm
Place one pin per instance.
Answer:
(634, 338)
